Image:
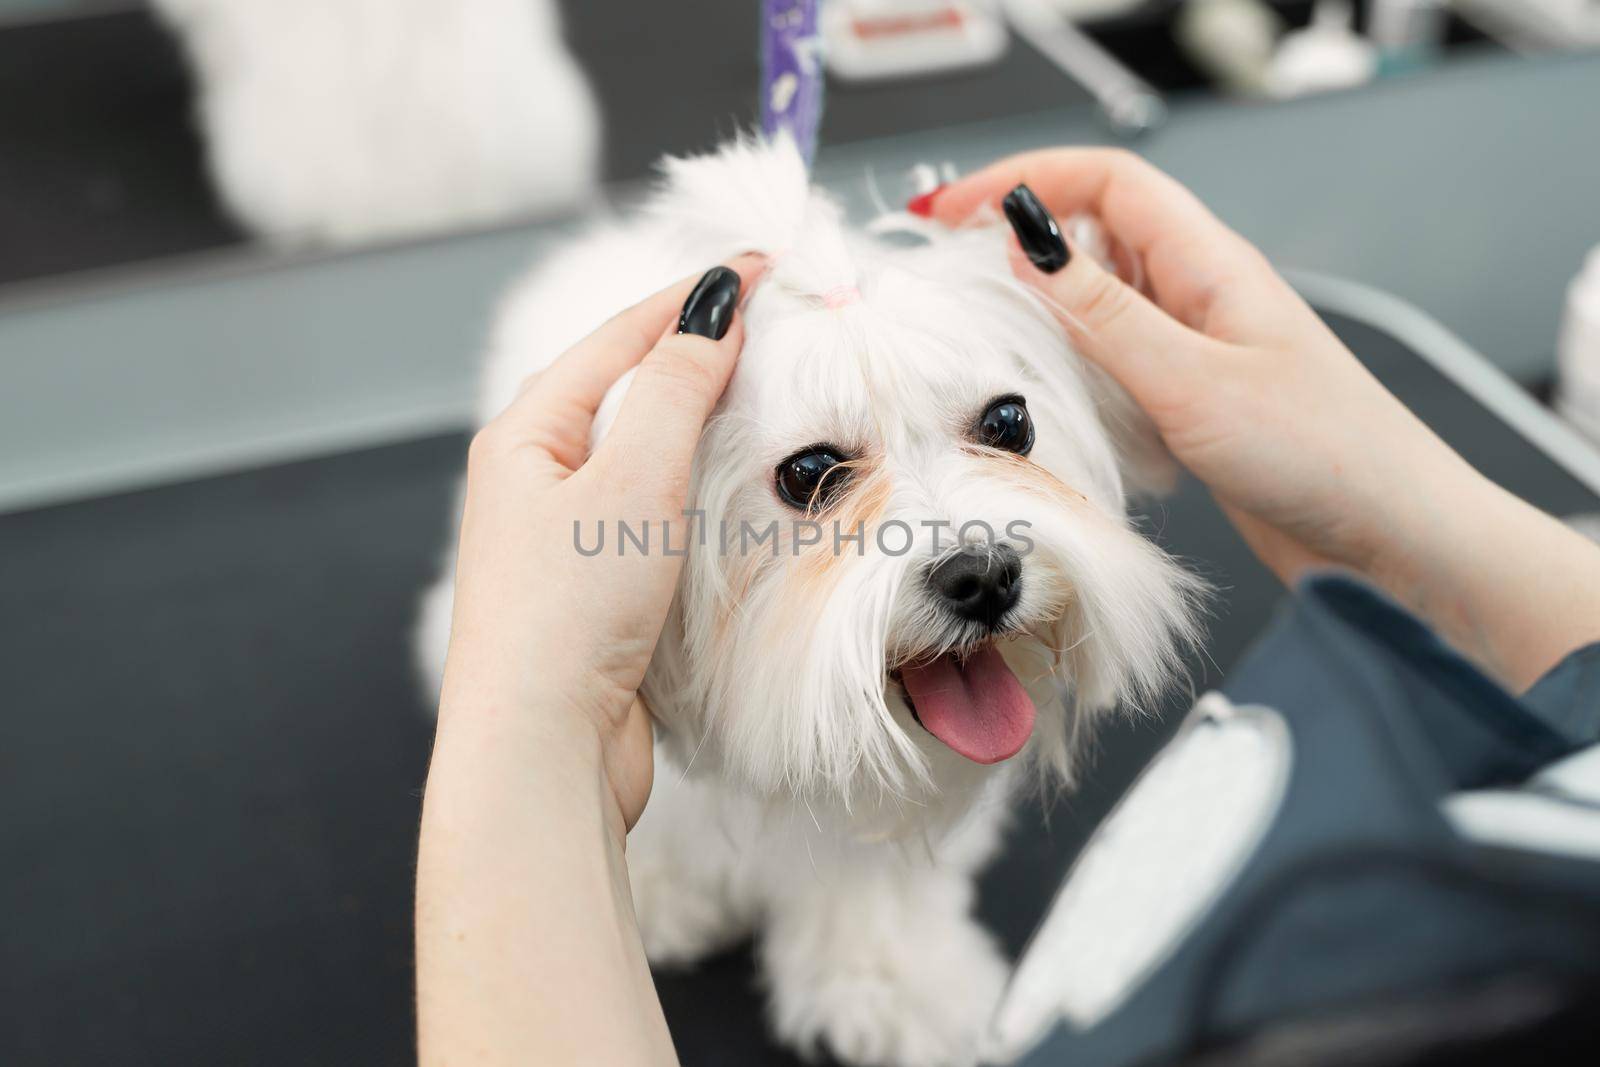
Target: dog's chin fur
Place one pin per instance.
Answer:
(796, 795)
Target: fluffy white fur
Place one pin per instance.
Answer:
(796, 798)
(346, 120)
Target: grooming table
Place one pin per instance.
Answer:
(213, 745)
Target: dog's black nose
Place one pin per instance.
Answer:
(979, 582)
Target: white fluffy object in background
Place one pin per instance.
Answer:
(349, 120)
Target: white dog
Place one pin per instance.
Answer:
(916, 579)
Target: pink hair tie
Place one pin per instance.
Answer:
(840, 295)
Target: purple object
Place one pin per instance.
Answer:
(791, 71)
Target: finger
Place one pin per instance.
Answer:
(1189, 255)
(555, 409)
(1142, 347)
(652, 441)
(1149, 353)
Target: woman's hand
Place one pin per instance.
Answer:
(1312, 459)
(540, 631)
(1247, 386)
(527, 948)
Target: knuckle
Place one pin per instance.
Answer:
(1102, 300)
(530, 381)
(487, 448)
(1130, 166)
(675, 368)
(1044, 159)
(1125, 158)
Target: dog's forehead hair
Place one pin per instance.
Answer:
(889, 375)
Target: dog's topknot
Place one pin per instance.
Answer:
(755, 195)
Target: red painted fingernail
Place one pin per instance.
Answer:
(923, 205)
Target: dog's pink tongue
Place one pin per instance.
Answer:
(979, 709)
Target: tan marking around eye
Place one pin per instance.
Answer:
(859, 509)
(1026, 475)
(861, 502)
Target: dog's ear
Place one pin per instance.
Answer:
(1148, 468)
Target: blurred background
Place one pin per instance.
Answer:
(160, 148)
(250, 249)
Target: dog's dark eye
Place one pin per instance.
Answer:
(1006, 425)
(807, 480)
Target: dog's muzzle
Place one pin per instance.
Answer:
(979, 583)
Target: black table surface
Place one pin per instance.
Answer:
(213, 746)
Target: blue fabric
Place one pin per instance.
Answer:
(1479, 734)
(1360, 889)
(1568, 696)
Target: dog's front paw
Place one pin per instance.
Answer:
(883, 1003)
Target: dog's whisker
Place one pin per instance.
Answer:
(875, 194)
(927, 845)
(705, 735)
(814, 821)
(811, 858)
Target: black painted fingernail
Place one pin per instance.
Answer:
(1037, 231)
(709, 310)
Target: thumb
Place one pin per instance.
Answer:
(673, 392)
(1146, 350)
